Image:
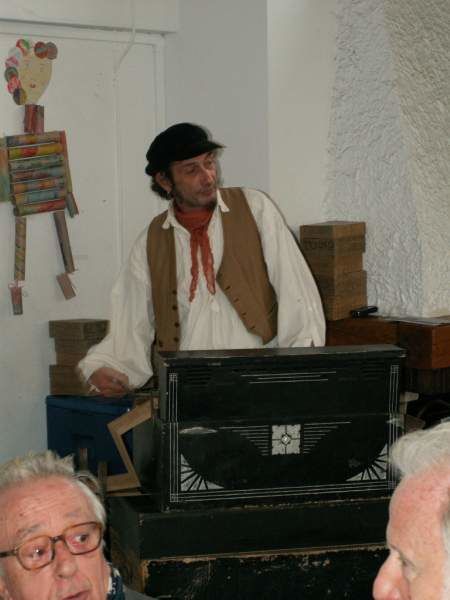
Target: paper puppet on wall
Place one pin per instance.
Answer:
(34, 166)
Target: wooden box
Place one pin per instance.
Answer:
(65, 381)
(426, 341)
(334, 266)
(333, 238)
(427, 381)
(78, 329)
(273, 425)
(347, 285)
(310, 550)
(339, 307)
(368, 330)
(72, 338)
(428, 344)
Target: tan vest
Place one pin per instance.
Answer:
(242, 275)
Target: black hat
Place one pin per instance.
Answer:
(178, 142)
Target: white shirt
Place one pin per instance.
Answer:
(209, 321)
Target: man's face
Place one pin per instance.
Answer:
(416, 566)
(47, 507)
(193, 182)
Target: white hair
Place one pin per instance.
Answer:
(47, 464)
(421, 450)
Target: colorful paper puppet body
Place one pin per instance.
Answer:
(34, 166)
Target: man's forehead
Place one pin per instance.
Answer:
(419, 501)
(195, 159)
(425, 487)
(27, 507)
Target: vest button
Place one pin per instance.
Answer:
(174, 292)
(174, 307)
(175, 339)
(176, 324)
(160, 343)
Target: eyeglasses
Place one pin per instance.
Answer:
(40, 551)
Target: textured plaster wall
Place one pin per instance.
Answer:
(389, 151)
(369, 178)
(420, 41)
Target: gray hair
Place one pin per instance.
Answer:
(422, 450)
(48, 464)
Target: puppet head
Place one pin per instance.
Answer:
(28, 70)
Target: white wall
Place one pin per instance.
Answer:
(301, 51)
(146, 15)
(259, 75)
(109, 118)
(216, 75)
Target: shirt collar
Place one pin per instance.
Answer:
(171, 220)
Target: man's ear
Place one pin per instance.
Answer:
(4, 594)
(163, 181)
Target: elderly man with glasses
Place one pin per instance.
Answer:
(51, 529)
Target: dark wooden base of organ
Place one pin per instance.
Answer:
(305, 551)
(338, 573)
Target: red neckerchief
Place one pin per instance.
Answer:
(196, 222)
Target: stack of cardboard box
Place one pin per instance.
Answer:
(73, 338)
(334, 251)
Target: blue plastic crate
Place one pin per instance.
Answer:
(75, 422)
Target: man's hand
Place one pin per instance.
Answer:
(109, 382)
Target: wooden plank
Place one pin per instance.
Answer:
(140, 413)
